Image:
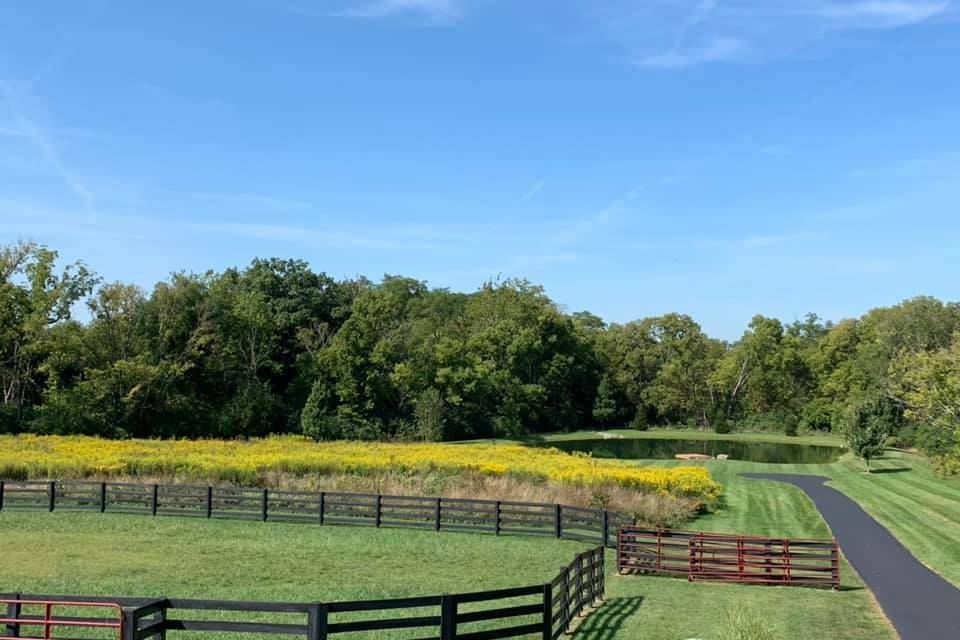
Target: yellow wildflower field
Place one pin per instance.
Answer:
(246, 461)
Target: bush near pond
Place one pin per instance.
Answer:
(282, 459)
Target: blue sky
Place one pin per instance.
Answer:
(718, 158)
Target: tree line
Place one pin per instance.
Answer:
(278, 348)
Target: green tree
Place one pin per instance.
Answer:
(34, 298)
(605, 406)
(681, 391)
(927, 383)
(867, 425)
(767, 375)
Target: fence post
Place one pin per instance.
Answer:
(557, 519)
(606, 527)
(317, 613)
(154, 499)
(448, 617)
(52, 492)
(13, 611)
(496, 515)
(264, 497)
(591, 580)
(323, 505)
(1, 495)
(786, 558)
(436, 513)
(565, 586)
(129, 623)
(103, 497)
(579, 603)
(740, 559)
(161, 617)
(603, 573)
(323, 615)
(835, 560)
(209, 502)
(379, 510)
(547, 612)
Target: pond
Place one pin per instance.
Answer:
(666, 449)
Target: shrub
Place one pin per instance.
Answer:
(770, 421)
(948, 465)
(790, 423)
(820, 414)
(933, 441)
(639, 422)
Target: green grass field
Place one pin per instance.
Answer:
(921, 509)
(827, 440)
(76, 553)
(669, 608)
(133, 555)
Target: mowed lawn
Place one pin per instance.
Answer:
(920, 508)
(135, 555)
(659, 608)
(78, 553)
(826, 439)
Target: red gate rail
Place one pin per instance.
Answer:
(729, 558)
(49, 622)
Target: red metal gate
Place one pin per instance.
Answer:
(15, 618)
(729, 558)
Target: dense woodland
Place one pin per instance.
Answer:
(279, 348)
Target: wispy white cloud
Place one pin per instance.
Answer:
(579, 228)
(620, 203)
(879, 13)
(715, 50)
(534, 190)
(45, 142)
(676, 34)
(433, 10)
(186, 102)
(15, 132)
(247, 200)
(747, 243)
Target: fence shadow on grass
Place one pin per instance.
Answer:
(607, 622)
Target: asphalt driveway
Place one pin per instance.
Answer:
(920, 604)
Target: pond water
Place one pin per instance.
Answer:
(666, 449)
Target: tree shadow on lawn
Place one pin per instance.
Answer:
(894, 470)
(607, 621)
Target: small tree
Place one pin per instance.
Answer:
(430, 413)
(605, 408)
(867, 425)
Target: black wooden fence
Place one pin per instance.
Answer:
(448, 514)
(542, 611)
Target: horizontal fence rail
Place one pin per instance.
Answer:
(542, 611)
(729, 558)
(595, 526)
